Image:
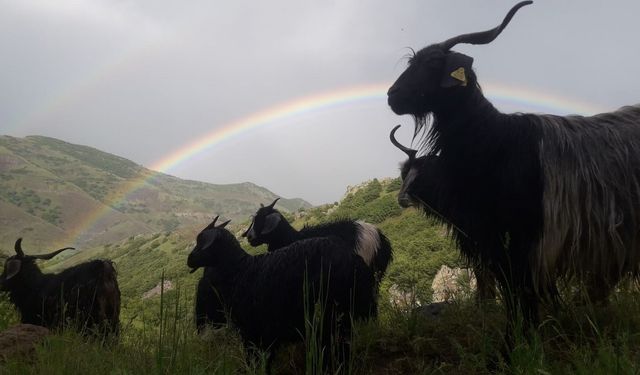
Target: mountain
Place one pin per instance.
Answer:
(55, 193)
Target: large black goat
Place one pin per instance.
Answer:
(85, 296)
(265, 294)
(270, 227)
(538, 197)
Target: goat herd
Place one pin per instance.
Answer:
(531, 200)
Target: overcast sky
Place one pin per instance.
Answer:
(142, 79)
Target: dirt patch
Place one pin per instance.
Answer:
(155, 291)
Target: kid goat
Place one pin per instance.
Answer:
(268, 295)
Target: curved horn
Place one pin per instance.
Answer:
(246, 232)
(484, 37)
(224, 224)
(18, 247)
(52, 254)
(410, 152)
(273, 203)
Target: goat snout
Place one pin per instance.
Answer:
(191, 261)
(400, 103)
(404, 201)
(392, 90)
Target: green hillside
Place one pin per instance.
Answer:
(420, 246)
(158, 335)
(55, 193)
(143, 261)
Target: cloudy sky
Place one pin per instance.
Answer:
(147, 79)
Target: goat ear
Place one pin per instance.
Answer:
(12, 268)
(456, 70)
(271, 222)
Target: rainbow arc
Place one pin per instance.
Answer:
(499, 94)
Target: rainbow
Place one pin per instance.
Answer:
(523, 99)
(527, 99)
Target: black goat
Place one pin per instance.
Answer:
(265, 294)
(270, 227)
(424, 186)
(538, 197)
(85, 296)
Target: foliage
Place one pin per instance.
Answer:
(32, 203)
(394, 185)
(158, 335)
(371, 202)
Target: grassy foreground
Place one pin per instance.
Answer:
(463, 339)
(158, 334)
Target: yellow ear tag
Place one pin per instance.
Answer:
(460, 76)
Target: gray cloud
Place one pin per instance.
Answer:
(146, 78)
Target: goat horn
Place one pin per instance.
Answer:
(18, 247)
(224, 224)
(246, 232)
(52, 254)
(484, 37)
(213, 223)
(274, 203)
(410, 152)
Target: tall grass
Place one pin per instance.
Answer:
(161, 339)
(322, 353)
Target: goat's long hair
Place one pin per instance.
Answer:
(591, 169)
(565, 191)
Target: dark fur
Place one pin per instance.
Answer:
(209, 308)
(85, 297)
(348, 230)
(424, 186)
(264, 293)
(538, 197)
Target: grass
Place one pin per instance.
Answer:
(159, 337)
(462, 339)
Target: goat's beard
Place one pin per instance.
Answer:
(423, 130)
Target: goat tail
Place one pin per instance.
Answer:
(373, 247)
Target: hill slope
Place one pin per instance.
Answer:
(56, 193)
(463, 338)
(420, 247)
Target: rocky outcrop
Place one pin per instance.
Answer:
(155, 291)
(453, 284)
(403, 299)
